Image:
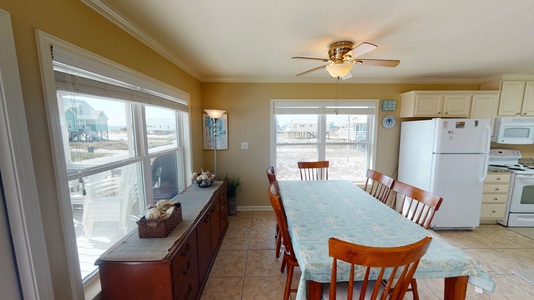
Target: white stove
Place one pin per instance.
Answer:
(520, 206)
(509, 160)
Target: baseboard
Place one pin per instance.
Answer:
(254, 208)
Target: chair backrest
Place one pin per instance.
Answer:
(271, 175)
(379, 186)
(401, 261)
(416, 204)
(314, 170)
(278, 207)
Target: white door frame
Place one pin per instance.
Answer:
(18, 175)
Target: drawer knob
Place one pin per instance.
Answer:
(189, 264)
(496, 189)
(189, 291)
(495, 199)
(493, 211)
(498, 178)
(187, 249)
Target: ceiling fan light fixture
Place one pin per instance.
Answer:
(338, 70)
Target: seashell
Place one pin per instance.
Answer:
(169, 211)
(204, 177)
(163, 205)
(152, 214)
(195, 175)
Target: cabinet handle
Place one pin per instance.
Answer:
(495, 199)
(446, 113)
(189, 291)
(497, 189)
(189, 264)
(493, 211)
(498, 178)
(187, 249)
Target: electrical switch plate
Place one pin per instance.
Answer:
(244, 145)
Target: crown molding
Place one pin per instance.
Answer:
(127, 26)
(350, 81)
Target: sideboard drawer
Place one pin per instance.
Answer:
(188, 248)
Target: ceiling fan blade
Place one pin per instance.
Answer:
(363, 48)
(378, 62)
(311, 70)
(312, 58)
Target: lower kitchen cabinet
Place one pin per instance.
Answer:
(494, 197)
(175, 267)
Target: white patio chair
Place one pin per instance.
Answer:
(111, 200)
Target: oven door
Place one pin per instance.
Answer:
(522, 197)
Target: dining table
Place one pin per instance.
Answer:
(320, 209)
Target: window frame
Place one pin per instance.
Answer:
(322, 116)
(91, 62)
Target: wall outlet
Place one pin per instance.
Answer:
(244, 145)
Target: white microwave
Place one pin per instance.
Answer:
(517, 131)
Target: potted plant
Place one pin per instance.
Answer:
(232, 188)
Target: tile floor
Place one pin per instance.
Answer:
(246, 267)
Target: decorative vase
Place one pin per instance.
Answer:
(232, 206)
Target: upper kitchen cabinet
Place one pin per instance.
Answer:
(484, 106)
(517, 98)
(445, 104)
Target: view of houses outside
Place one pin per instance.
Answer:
(97, 132)
(345, 145)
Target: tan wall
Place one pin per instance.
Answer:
(76, 23)
(248, 107)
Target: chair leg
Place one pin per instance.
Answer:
(413, 283)
(284, 263)
(290, 268)
(278, 245)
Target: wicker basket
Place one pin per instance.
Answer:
(160, 228)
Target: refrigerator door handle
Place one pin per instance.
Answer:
(484, 169)
(488, 131)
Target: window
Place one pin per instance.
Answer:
(123, 147)
(342, 132)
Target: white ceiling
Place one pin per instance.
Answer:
(253, 41)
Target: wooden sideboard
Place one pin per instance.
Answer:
(175, 267)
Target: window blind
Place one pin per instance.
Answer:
(349, 107)
(76, 80)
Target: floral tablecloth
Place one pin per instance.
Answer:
(318, 210)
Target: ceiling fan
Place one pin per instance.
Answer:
(343, 55)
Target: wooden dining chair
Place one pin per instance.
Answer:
(418, 206)
(289, 259)
(314, 170)
(271, 176)
(379, 186)
(402, 261)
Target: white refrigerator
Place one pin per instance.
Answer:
(447, 157)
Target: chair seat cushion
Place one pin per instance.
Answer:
(342, 290)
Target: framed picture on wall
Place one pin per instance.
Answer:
(222, 132)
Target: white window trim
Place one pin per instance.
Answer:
(334, 102)
(94, 63)
(20, 187)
